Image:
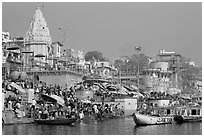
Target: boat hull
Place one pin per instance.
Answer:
(141, 119)
(182, 119)
(56, 121)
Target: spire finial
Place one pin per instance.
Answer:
(38, 5)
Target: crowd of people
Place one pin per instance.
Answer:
(42, 108)
(73, 107)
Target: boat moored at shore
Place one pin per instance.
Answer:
(66, 121)
(143, 119)
(189, 114)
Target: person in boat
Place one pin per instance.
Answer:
(68, 112)
(90, 110)
(45, 114)
(33, 104)
(96, 111)
(51, 111)
(60, 110)
(81, 115)
(75, 113)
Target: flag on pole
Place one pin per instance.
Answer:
(138, 48)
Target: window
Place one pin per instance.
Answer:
(198, 112)
(193, 112)
(168, 111)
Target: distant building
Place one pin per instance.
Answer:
(5, 37)
(103, 69)
(75, 56)
(172, 58)
(11, 55)
(56, 49)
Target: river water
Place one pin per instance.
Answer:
(125, 126)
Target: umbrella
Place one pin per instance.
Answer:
(39, 55)
(132, 92)
(128, 88)
(58, 99)
(111, 88)
(134, 87)
(17, 87)
(123, 91)
(104, 84)
(100, 86)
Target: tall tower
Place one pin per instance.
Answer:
(38, 37)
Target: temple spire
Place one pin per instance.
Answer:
(37, 37)
(38, 30)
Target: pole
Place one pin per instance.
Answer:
(138, 73)
(138, 67)
(120, 76)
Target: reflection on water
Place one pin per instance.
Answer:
(109, 127)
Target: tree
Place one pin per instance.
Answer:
(96, 54)
(131, 63)
(141, 60)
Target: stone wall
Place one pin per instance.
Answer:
(60, 79)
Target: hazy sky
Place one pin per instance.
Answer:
(115, 28)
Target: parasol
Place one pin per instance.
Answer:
(17, 87)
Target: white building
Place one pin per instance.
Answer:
(103, 69)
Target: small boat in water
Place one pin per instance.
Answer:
(189, 114)
(142, 119)
(64, 121)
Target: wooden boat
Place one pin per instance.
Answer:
(189, 114)
(142, 119)
(64, 121)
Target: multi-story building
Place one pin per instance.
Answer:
(162, 74)
(172, 58)
(11, 53)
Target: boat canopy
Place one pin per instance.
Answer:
(58, 99)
